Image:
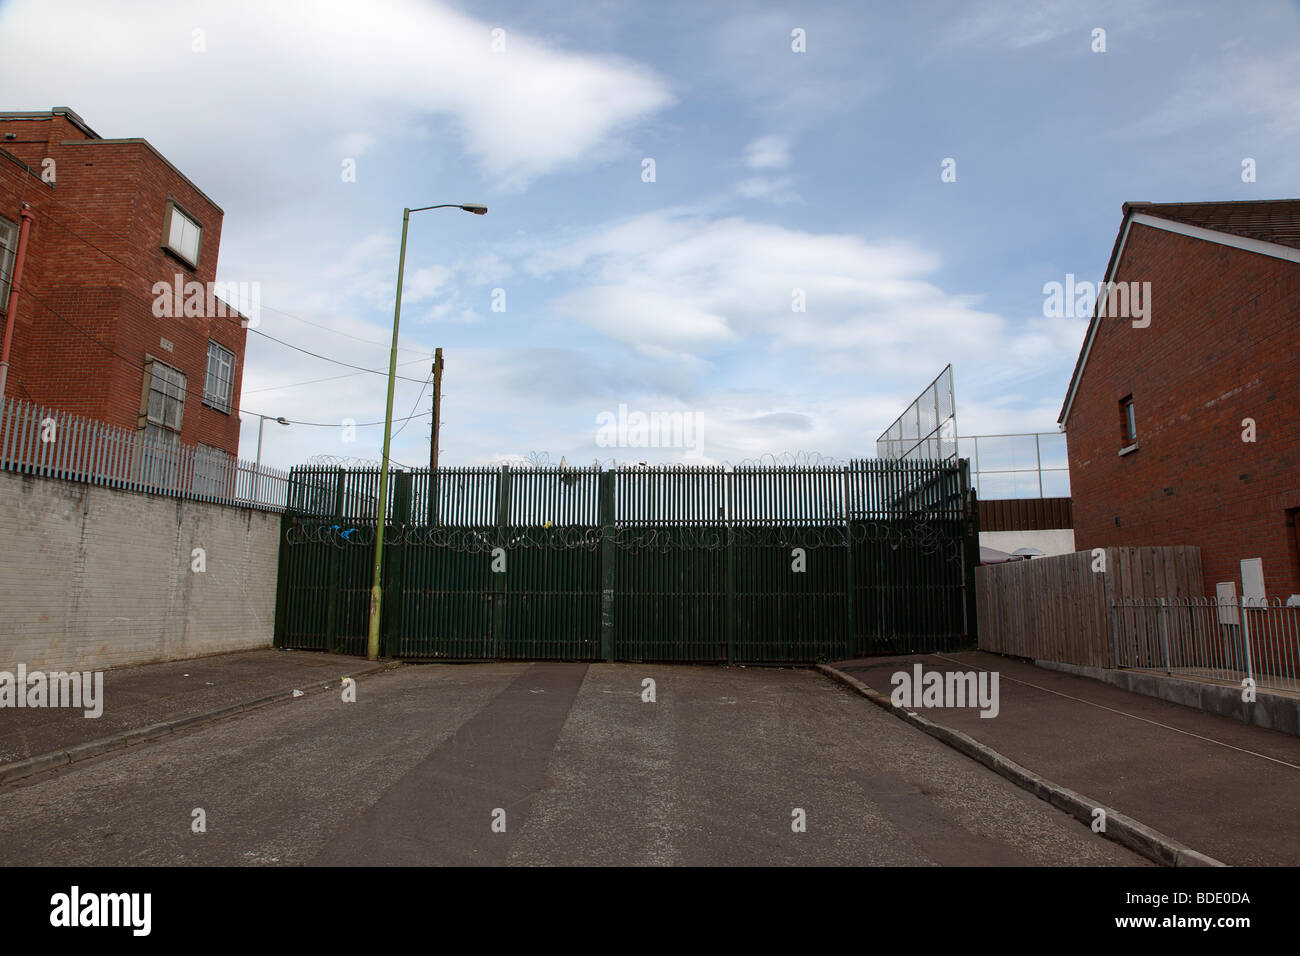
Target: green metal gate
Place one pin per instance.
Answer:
(756, 564)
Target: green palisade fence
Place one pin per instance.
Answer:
(691, 564)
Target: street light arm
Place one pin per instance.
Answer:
(477, 208)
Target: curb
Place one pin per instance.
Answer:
(119, 741)
(1138, 837)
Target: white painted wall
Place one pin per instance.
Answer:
(1048, 542)
(91, 577)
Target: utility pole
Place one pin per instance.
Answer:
(433, 437)
(437, 409)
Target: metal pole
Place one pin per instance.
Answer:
(1164, 632)
(1038, 455)
(1245, 636)
(257, 468)
(376, 591)
(437, 408)
(435, 436)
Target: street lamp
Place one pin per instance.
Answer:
(257, 469)
(376, 591)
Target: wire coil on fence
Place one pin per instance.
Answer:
(924, 538)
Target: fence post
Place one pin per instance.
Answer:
(1114, 637)
(282, 574)
(1245, 638)
(970, 551)
(395, 560)
(607, 559)
(335, 566)
(851, 641)
(732, 624)
(1164, 632)
(499, 579)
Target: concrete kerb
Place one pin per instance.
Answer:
(94, 748)
(1138, 837)
(1272, 711)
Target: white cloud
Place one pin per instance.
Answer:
(425, 283)
(774, 190)
(695, 285)
(351, 145)
(1234, 86)
(333, 66)
(768, 152)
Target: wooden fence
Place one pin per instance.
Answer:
(1058, 608)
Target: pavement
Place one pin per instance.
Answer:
(152, 694)
(1224, 788)
(543, 764)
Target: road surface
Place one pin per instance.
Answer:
(546, 764)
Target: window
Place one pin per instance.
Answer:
(181, 234)
(164, 403)
(220, 380)
(1128, 433)
(8, 243)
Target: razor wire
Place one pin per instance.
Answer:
(918, 537)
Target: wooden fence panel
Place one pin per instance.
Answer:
(1058, 608)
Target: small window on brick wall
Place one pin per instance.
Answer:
(220, 378)
(8, 243)
(181, 234)
(1128, 434)
(164, 404)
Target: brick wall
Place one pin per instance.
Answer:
(95, 254)
(94, 577)
(1223, 345)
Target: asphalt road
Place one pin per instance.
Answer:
(568, 762)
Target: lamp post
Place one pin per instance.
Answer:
(257, 469)
(376, 590)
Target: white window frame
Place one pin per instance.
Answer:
(174, 390)
(8, 251)
(176, 219)
(213, 380)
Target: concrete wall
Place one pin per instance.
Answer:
(1049, 542)
(92, 577)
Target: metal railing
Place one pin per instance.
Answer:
(36, 440)
(1206, 638)
(927, 429)
(1026, 465)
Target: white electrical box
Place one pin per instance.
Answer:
(1252, 583)
(1226, 592)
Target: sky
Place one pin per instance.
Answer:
(776, 222)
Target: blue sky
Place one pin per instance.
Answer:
(774, 171)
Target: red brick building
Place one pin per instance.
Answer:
(1182, 424)
(113, 223)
